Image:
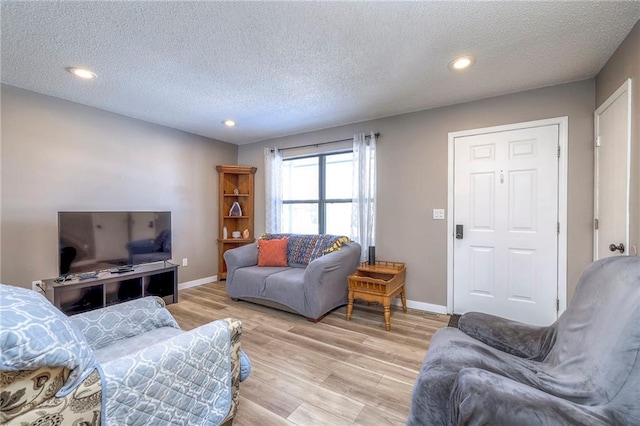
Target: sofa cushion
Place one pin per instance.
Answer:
(250, 281)
(135, 343)
(34, 334)
(272, 252)
(303, 249)
(287, 287)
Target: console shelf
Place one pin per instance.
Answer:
(76, 296)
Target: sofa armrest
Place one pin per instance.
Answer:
(102, 327)
(240, 257)
(482, 397)
(515, 338)
(326, 276)
(185, 380)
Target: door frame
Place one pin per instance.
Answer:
(563, 139)
(626, 86)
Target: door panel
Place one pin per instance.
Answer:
(612, 173)
(506, 196)
(482, 214)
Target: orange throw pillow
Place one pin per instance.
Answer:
(272, 252)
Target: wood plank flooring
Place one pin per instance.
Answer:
(335, 372)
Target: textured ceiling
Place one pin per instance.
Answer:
(281, 68)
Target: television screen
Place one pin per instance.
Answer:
(95, 241)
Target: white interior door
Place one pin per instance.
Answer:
(612, 171)
(505, 262)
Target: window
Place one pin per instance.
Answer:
(316, 194)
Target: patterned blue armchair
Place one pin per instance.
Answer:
(122, 365)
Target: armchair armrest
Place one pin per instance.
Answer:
(104, 326)
(240, 257)
(185, 380)
(326, 276)
(240, 364)
(512, 337)
(482, 397)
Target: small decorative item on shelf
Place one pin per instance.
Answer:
(235, 209)
(236, 191)
(235, 234)
(372, 255)
(245, 234)
(225, 233)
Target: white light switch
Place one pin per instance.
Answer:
(438, 214)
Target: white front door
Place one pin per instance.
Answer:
(613, 141)
(505, 212)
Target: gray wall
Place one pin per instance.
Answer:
(623, 64)
(412, 176)
(58, 155)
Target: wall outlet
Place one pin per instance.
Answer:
(438, 214)
(34, 286)
(185, 262)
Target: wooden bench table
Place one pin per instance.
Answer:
(378, 283)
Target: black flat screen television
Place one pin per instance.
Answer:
(96, 241)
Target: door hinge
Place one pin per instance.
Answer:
(598, 141)
(558, 152)
(557, 305)
(558, 228)
(596, 224)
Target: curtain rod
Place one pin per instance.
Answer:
(377, 135)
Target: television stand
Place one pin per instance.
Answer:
(77, 295)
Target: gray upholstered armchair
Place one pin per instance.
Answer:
(128, 364)
(582, 370)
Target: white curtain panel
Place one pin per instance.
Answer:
(273, 189)
(363, 214)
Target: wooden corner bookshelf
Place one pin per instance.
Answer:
(236, 184)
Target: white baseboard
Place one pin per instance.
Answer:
(196, 283)
(428, 307)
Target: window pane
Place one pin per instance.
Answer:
(300, 179)
(339, 176)
(300, 218)
(338, 218)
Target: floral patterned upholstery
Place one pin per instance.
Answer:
(28, 398)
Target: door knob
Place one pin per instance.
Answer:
(620, 247)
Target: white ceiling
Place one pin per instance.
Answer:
(281, 68)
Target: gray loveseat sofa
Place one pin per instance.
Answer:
(310, 290)
(584, 369)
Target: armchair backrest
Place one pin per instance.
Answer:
(598, 336)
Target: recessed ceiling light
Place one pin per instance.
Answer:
(82, 73)
(461, 63)
(229, 123)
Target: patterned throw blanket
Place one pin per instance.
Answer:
(302, 249)
(183, 379)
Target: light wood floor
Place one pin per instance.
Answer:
(335, 372)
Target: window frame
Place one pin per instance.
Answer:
(322, 201)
